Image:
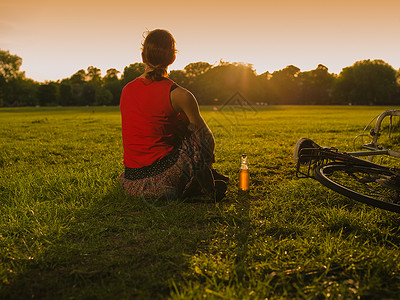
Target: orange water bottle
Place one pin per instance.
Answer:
(244, 176)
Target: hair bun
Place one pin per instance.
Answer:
(158, 53)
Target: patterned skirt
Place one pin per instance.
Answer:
(184, 173)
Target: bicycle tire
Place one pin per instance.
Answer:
(303, 150)
(347, 180)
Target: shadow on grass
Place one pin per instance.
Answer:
(243, 230)
(119, 247)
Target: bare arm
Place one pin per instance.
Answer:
(183, 101)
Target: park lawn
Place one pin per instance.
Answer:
(67, 231)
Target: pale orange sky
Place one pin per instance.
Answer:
(57, 38)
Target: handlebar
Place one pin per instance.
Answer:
(375, 131)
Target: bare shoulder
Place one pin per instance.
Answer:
(181, 98)
(181, 93)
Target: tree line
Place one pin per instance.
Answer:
(366, 82)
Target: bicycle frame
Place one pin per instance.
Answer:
(324, 155)
(373, 147)
(375, 132)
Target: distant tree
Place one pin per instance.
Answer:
(79, 78)
(179, 77)
(284, 85)
(223, 81)
(89, 94)
(398, 86)
(265, 95)
(131, 72)
(94, 76)
(65, 90)
(25, 92)
(193, 70)
(111, 75)
(15, 89)
(367, 82)
(113, 84)
(196, 69)
(77, 82)
(9, 65)
(2, 90)
(18, 92)
(93, 84)
(47, 94)
(103, 96)
(316, 86)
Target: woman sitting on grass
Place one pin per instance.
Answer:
(168, 147)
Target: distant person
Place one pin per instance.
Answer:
(168, 147)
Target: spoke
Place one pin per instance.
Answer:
(365, 183)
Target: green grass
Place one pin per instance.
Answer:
(67, 231)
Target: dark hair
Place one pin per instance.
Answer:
(158, 53)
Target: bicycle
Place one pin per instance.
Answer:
(347, 174)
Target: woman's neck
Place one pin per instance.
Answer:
(147, 70)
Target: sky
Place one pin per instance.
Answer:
(57, 38)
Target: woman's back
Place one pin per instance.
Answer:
(148, 121)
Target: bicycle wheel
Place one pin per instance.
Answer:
(373, 186)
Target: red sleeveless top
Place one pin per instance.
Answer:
(149, 123)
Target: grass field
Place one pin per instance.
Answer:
(67, 231)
